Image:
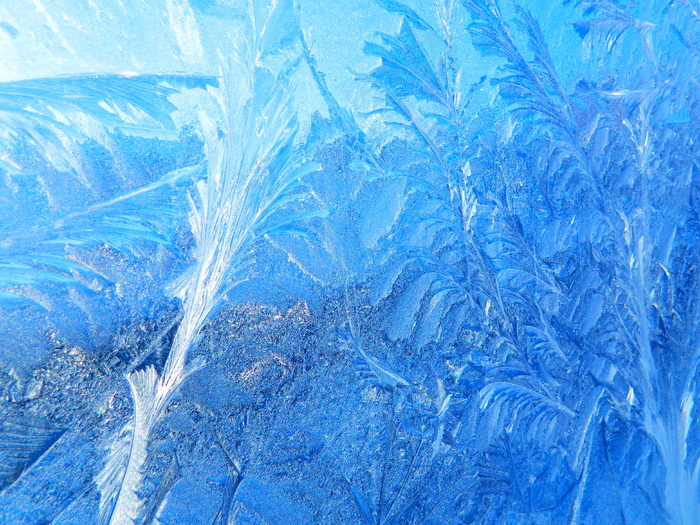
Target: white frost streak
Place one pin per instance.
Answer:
(238, 195)
(183, 23)
(122, 474)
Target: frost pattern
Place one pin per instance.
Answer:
(240, 294)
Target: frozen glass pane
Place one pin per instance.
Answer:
(375, 262)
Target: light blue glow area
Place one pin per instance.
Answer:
(81, 36)
(336, 31)
(89, 36)
(61, 37)
(168, 36)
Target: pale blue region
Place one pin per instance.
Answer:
(89, 36)
(378, 262)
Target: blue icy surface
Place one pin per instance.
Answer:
(282, 262)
